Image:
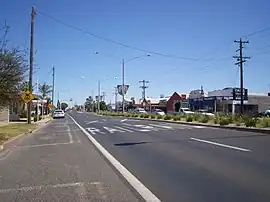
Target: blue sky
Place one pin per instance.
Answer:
(203, 30)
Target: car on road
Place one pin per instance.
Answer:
(205, 112)
(186, 111)
(158, 112)
(58, 114)
(140, 111)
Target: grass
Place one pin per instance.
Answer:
(12, 130)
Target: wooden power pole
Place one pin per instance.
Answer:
(30, 84)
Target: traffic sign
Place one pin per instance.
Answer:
(27, 96)
(50, 106)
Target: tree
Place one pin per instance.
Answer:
(103, 106)
(45, 90)
(64, 106)
(12, 68)
(89, 102)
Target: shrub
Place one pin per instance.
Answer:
(146, 115)
(264, 122)
(189, 118)
(153, 116)
(177, 118)
(223, 121)
(204, 119)
(237, 118)
(216, 119)
(197, 117)
(167, 117)
(135, 115)
(249, 121)
(159, 116)
(141, 115)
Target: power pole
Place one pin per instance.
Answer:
(103, 96)
(240, 61)
(98, 96)
(144, 86)
(92, 100)
(30, 84)
(123, 86)
(53, 74)
(115, 102)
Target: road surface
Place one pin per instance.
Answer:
(58, 163)
(187, 163)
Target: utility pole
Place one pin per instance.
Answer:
(123, 86)
(103, 96)
(240, 61)
(30, 84)
(115, 102)
(144, 86)
(53, 75)
(92, 100)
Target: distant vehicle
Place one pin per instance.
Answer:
(267, 113)
(158, 112)
(140, 111)
(186, 111)
(58, 114)
(205, 112)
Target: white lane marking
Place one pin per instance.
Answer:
(146, 194)
(89, 122)
(221, 145)
(144, 129)
(124, 129)
(199, 127)
(93, 131)
(103, 119)
(42, 145)
(70, 136)
(161, 126)
(123, 120)
(112, 130)
(39, 187)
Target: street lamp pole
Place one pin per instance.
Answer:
(123, 85)
(98, 95)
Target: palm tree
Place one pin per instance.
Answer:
(45, 91)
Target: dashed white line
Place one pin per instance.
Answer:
(221, 145)
(124, 129)
(146, 194)
(123, 120)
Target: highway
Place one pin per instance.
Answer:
(186, 163)
(86, 157)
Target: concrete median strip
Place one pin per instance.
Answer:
(145, 193)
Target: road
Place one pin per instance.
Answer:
(187, 163)
(87, 157)
(58, 163)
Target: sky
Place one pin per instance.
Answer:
(190, 43)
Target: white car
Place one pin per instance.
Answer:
(140, 111)
(158, 112)
(58, 114)
(205, 112)
(186, 111)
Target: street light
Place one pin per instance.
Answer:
(123, 74)
(123, 77)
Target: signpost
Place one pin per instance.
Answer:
(27, 96)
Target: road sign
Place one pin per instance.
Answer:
(50, 106)
(27, 96)
(122, 91)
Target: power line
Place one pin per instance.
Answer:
(117, 42)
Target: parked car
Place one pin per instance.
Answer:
(158, 112)
(140, 111)
(186, 111)
(58, 114)
(205, 112)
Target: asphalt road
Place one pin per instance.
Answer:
(58, 163)
(187, 163)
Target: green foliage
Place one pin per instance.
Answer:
(197, 117)
(177, 118)
(224, 120)
(167, 117)
(152, 116)
(264, 122)
(146, 115)
(45, 90)
(64, 105)
(204, 119)
(189, 118)
(250, 121)
(141, 115)
(159, 116)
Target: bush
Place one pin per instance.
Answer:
(204, 119)
(189, 118)
(135, 115)
(146, 115)
(159, 116)
(152, 116)
(223, 121)
(216, 119)
(264, 123)
(167, 117)
(197, 117)
(177, 118)
(141, 115)
(249, 121)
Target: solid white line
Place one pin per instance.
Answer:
(27, 189)
(222, 145)
(124, 129)
(43, 145)
(133, 181)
